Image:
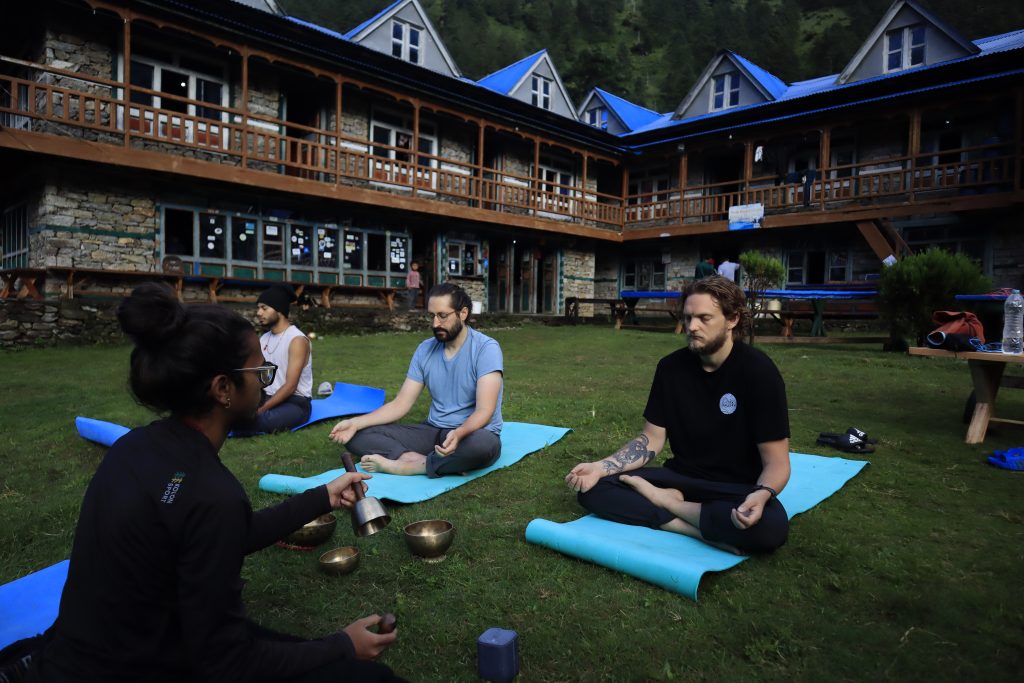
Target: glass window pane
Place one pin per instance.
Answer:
(381, 135)
(142, 76)
(895, 40)
(396, 30)
(895, 61)
(414, 55)
(300, 246)
(209, 91)
(376, 252)
(719, 100)
(243, 239)
(353, 257)
(917, 55)
(327, 247)
(212, 235)
(396, 49)
(273, 242)
(178, 232)
(469, 260)
(399, 253)
(414, 37)
(917, 35)
(173, 83)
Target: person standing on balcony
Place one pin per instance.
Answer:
(412, 285)
(463, 370)
(287, 401)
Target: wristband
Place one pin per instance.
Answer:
(769, 489)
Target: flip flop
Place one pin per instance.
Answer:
(862, 435)
(848, 443)
(828, 438)
(1007, 461)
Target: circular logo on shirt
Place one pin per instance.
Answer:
(727, 404)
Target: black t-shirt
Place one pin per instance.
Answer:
(715, 420)
(154, 590)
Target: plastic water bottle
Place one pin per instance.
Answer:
(1013, 324)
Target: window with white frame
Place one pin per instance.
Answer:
(405, 41)
(643, 275)
(557, 183)
(392, 134)
(462, 258)
(180, 78)
(904, 47)
(598, 117)
(540, 92)
(647, 185)
(14, 237)
(725, 91)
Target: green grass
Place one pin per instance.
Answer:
(911, 571)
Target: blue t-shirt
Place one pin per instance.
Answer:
(452, 382)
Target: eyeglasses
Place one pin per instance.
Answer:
(264, 374)
(439, 316)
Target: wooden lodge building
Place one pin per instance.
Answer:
(231, 144)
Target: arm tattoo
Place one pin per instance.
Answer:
(630, 453)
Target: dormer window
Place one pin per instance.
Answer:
(904, 48)
(405, 42)
(726, 91)
(598, 117)
(540, 92)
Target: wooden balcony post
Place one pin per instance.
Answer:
(480, 163)
(625, 193)
(914, 148)
(583, 194)
(127, 76)
(824, 158)
(535, 195)
(245, 109)
(338, 85)
(748, 167)
(415, 159)
(683, 173)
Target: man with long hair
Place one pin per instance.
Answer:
(721, 405)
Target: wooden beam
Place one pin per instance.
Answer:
(126, 76)
(875, 239)
(84, 150)
(414, 158)
(914, 147)
(245, 111)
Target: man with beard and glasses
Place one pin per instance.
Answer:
(722, 407)
(462, 369)
(287, 401)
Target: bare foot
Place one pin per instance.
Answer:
(658, 496)
(378, 463)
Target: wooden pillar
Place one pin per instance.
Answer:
(127, 76)
(625, 193)
(748, 165)
(338, 85)
(481, 189)
(914, 148)
(683, 173)
(415, 159)
(245, 109)
(535, 195)
(583, 195)
(824, 160)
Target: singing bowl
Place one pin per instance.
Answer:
(314, 533)
(340, 560)
(429, 539)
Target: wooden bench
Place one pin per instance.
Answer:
(572, 307)
(385, 294)
(79, 282)
(22, 283)
(629, 310)
(819, 305)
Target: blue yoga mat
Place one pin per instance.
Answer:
(28, 606)
(518, 439)
(347, 399)
(677, 562)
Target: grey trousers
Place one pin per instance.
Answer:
(475, 451)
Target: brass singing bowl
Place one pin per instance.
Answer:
(429, 539)
(315, 532)
(340, 560)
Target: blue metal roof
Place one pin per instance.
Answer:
(503, 80)
(631, 115)
(315, 27)
(354, 32)
(769, 81)
(1013, 40)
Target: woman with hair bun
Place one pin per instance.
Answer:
(154, 589)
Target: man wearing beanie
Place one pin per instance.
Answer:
(286, 402)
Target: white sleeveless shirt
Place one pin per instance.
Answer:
(275, 350)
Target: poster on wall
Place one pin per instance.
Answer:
(746, 216)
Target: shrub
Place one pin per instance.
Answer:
(760, 272)
(917, 286)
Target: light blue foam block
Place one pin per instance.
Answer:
(677, 562)
(347, 399)
(518, 439)
(28, 606)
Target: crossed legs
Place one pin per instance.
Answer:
(409, 449)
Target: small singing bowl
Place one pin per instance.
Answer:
(429, 539)
(314, 533)
(340, 560)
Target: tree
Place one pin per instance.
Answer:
(761, 272)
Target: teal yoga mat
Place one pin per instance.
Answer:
(518, 439)
(28, 606)
(347, 399)
(677, 562)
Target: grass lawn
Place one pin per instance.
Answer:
(909, 572)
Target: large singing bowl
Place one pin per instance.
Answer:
(429, 539)
(314, 533)
(340, 560)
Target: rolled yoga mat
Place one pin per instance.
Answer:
(518, 439)
(28, 606)
(674, 561)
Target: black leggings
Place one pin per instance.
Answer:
(338, 671)
(614, 500)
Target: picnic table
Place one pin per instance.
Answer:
(989, 309)
(987, 376)
(630, 299)
(857, 305)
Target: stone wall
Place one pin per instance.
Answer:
(578, 278)
(607, 262)
(84, 224)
